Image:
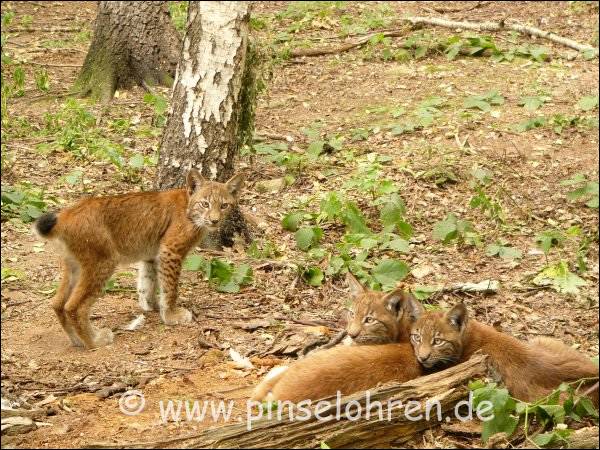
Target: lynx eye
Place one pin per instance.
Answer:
(437, 341)
(415, 338)
(204, 204)
(224, 205)
(369, 319)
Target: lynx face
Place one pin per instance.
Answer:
(210, 201)
(437, 338)
(379, 318)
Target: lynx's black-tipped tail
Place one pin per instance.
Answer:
(45, 223)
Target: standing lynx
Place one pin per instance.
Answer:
(157, 229)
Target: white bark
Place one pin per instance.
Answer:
(202, 127)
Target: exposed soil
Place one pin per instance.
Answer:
(341, 93)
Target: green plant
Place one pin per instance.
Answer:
(452, 228)
(534, 102)
(178, 11)
(485, 101)
(560, 278)
(41, 80)
(368, 178)
(263, 249)
(548, 239)
(313, 275)
(549, 412)
(24, 201)
(588, 103)
(503, 251)
(584, 189)
(9, 275)
(159, 103)
(222, 275)
(308, 237)
(388, 272)
(488, 205)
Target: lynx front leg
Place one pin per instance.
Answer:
(146, 286)
(169, 269)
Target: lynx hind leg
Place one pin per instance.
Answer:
(146, 286)
(69, 278)
(77, 308)
(169, 270)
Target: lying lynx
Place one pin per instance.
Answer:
(380, 318)
(157, 229)
(529, 370)
(375, 318)
(345, 369)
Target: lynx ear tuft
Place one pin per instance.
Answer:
(193, 180)
(356, 288)
(458, 316)
(400, 301)
(235, 184)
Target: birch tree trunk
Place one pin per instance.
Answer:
(209, 112)
(134, 43)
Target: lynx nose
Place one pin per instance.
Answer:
(214, 221)
(353, 332)
(423, 358)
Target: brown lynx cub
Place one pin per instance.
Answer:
(380, 318)
(375, 318)
(529, 370)
(157, 229)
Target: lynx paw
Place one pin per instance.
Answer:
(103, 336)
(176, 316)
(148, 304)
(75, 340)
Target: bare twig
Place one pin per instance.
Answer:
(499, 26)
(51, 65)
(442, 9)
(344, 47)
(441, 22)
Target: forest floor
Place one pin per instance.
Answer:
(367, 124)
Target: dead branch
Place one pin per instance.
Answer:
(45, 30)
(298, 52)
(447, 387)
(499, 26)
(440, 22)
(584, 438)
(443, 9)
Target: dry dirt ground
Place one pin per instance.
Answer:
(353, 95)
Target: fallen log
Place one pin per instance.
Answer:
(395, 426)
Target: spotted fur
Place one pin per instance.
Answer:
(157, 229)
